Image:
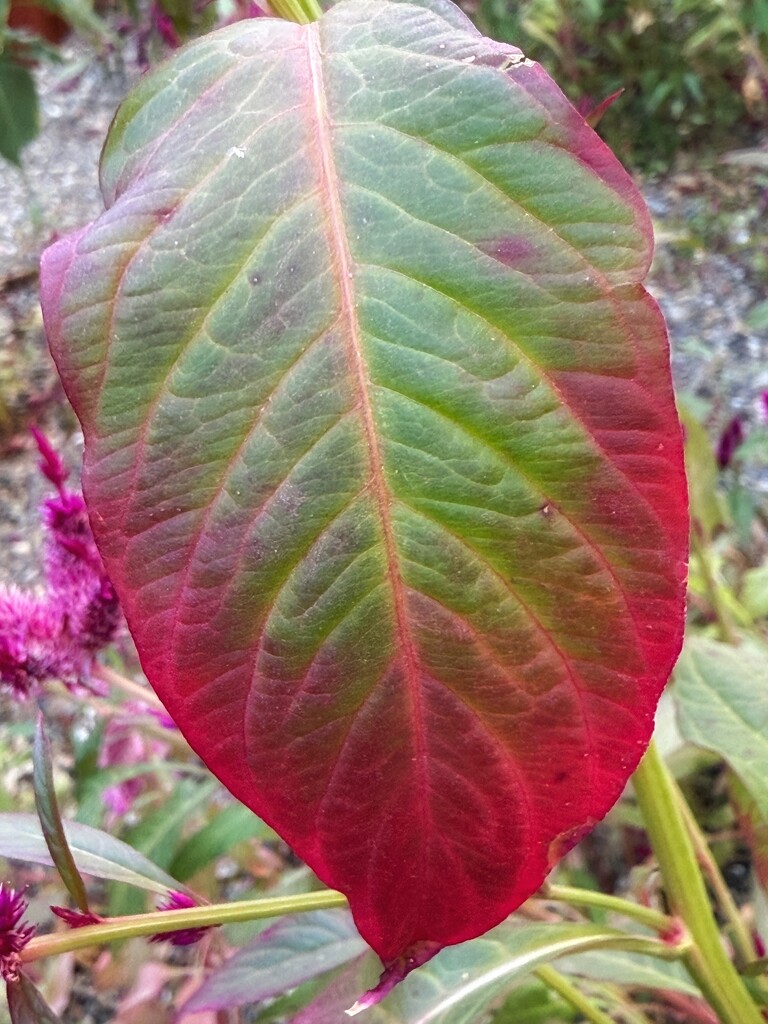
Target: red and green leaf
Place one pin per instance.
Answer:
(381, 451)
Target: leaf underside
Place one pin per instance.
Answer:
(381, 451)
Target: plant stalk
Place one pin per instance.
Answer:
(741, 938)
(662, 923)
(705, 958)
(724, 625)
(302, 11)
(114, 929)
(559, 983)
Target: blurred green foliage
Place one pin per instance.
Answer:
(694, 72)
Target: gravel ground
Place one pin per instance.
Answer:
(710, 272)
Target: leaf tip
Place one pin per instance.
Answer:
(394, 972)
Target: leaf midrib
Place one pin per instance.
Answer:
(343, 268)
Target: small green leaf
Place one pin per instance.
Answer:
(95, 852)
(230, 826)
(721, 694)
(754, 594)
(18, 109)
(50, 817)
(27, 1006)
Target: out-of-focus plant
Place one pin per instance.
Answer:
(31, 31)
(694, 72)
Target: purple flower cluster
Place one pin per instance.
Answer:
(57, 634)
(13, 934)
(185, 936)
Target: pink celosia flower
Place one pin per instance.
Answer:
(76, 918)
(186, 936)
(13, 934)
(124, 744)
(57, 634)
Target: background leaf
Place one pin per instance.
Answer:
(285, 955)
(50, 818)
(26, 1005)
(630, 969)
(234, 824)
(721, 693)
(18, 109)
(381, 451)
(95, 852)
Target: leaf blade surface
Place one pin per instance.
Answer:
(393, 497)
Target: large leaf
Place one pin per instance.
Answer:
(282, 957)
(721, 694)
(95, 852)
(381, 451)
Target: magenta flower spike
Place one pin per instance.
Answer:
(55, 635)
(186, 936)
(76, 918)
(14, 935)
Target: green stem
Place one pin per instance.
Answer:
(114, 929)
(302, 11)
(654, 919)
(742, 940)
(706, 958)
(559, 983)
(699, 549)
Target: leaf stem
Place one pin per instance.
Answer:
(559, 983)
(706, 958)
(129, 687)
(662, 923)
(699, 549)
(302, 11)
(739, 932)
(115, 929)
